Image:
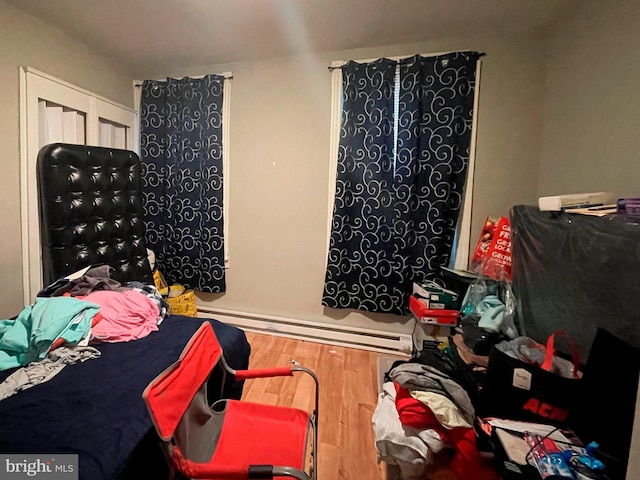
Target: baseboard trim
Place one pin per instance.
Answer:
(352, 337)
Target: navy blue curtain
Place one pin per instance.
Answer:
(361, 269)
(181, 153)
(400, 178)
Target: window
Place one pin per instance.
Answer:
(183, 127)
(405, 137)
(462, 244)
(226, 154)
(51, 111)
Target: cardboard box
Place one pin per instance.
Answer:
(436, 316)
(425, 332)
(436, 297)
(492, 255)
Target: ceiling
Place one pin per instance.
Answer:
(165, 35)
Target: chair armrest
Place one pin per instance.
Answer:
(264, 373)
(277, 372)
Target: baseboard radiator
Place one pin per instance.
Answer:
(352, 337)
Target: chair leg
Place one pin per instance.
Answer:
(290, 472)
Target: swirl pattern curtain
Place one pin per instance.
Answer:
(400, 178)
(181, 153)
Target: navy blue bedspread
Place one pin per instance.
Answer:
(95, 408)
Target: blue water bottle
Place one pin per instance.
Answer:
(548, 458)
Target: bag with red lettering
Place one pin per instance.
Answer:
(529, 381)
(492, 255)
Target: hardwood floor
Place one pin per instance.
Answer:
(348, 397)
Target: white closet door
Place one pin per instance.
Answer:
(116, 125)
(60, 124)
(52, 111)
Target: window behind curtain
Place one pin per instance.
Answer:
(403, 156)
(182, 157)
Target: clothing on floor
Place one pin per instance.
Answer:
(444, 410)
(409, 448)
(414, 413)
(413, 376)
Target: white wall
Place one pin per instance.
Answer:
(591, 117)
(279, 167)
(27, 42)
(591, 141)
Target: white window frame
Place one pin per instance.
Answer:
(226, 149)
(34, 87)
(463, 237)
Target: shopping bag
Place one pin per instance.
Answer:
(492, 255)
(181, 301)
(537, 386)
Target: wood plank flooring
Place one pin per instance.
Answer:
(348, 396)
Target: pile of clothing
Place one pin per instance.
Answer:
(427, 404)
(67, 318)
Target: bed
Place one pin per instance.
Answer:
(91, 214)
(95, 408)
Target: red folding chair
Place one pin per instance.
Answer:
(229, 439)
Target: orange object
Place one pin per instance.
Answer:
(492, 255)
(228, 439)
(431, 316)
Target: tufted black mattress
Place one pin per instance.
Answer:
(91, 211)
(95, 409)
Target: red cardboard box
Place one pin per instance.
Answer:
(492, 256)
(432, 316)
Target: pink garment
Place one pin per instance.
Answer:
(126, 315)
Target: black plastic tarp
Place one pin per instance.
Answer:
(576, 273)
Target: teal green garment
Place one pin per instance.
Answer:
(29, 337)
(491, 313)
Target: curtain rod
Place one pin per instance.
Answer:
(332, 67)
(229, 77)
